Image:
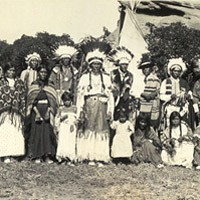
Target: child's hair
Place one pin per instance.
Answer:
(67, 95)
(143, 117)
(172, 117)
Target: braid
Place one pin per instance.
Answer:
(170, 131)
(72, 85)
(180, 129)
(90, 81)
(102, 82)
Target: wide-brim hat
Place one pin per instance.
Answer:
(147, 64)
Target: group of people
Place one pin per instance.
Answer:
(68, 115)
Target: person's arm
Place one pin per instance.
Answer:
(111, 103)
(153, 136)
(80, 96)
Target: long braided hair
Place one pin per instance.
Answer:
(101, 76)
(172, 117)
(94, 49)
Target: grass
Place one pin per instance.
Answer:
(27, 180)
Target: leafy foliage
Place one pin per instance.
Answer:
(173, 41)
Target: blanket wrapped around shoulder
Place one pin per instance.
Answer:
(33, 92)
(12, 100)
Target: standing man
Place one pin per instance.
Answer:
(121, 79)
(149, 99)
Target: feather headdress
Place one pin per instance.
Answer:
(120, 55)
(34, 55)
(64, 51)
(94, 49)
(176, 63)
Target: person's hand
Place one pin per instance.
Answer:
(180, 139)
(82, 117)
(72, 128)
(188, 96)
(145, 96)
(38, 117)
(152, 95)
(108, 116)
(173, 97)
(126, 95)
(47, 115)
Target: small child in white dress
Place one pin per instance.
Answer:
(66, 127)
(122, 144)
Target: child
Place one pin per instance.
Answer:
(122, 145)
(66, 118)
(178, 147)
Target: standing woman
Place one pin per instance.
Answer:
(94, 101)
(42, 104)
(12, 111)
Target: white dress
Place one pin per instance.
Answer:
(67, 135)
(184, 150)
(122, 145)
(12, 140)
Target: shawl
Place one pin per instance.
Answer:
(12, 99)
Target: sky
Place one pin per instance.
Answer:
(78, 18)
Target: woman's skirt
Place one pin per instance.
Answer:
(12, 140)
(42, 140)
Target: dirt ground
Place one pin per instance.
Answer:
(27, 180)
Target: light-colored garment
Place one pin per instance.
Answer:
(67, 134)
(28, 76)
(175, 88)
(96, 102)
(122, 145)
(183, 151)
(12, 140)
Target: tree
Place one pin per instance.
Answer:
(173, 41)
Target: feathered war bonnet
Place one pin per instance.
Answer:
(120, 55)
(176, 63)
(64, 51)
(32, 56)
(94, 49)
